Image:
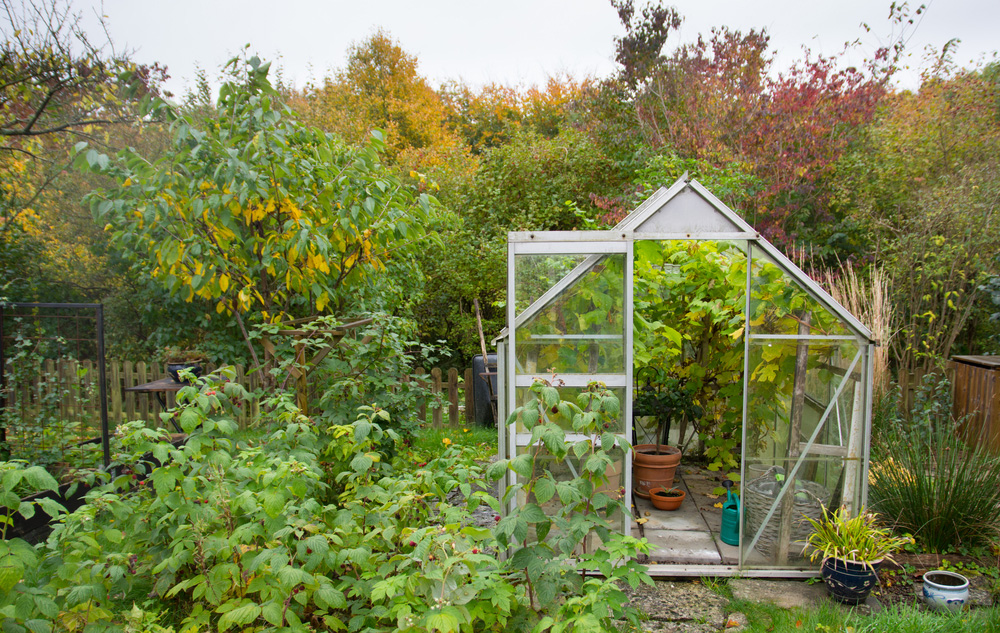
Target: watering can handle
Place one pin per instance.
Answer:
(730, 497)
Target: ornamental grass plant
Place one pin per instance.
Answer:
(858, 539)
(928, 480)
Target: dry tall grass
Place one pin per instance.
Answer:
(867, 298)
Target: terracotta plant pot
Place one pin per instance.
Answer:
(652, 470)
(662, 501)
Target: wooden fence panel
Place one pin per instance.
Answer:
(61, 386)
(976, 398)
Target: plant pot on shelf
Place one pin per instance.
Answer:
(849, 581)
(653, 466)
(173, 370)
(666, 498)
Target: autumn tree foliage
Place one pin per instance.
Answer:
(926, 184)
(490, 116)
(718, 100)
(57, 86)
(260, 215)
(379, 87)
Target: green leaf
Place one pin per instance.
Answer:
(240, 616)
(273, 502)
(496, 470)
(11, 571)
(38, 626)
(361, 463)
(272, 613)
(522, 464)
(441, 621)
(533, 513)
(550, 397)
(40, 479)
(189, 420)
(327, 597)
(545, 489)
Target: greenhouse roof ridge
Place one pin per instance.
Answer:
(687, 207)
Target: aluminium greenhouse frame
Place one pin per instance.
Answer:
(689, 212)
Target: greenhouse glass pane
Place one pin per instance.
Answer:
(568, 470)
(536, 274)
(780, 305)
(786, 409)
(581, 329)
(570, 394)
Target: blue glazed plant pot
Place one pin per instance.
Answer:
(945, 590)
(850, 582)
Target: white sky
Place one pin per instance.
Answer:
(517, 42)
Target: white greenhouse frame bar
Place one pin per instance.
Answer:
(689, 212)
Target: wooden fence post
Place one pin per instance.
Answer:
(470, 398)
(114, 378)
(142, 377)
(436, 388)
(418, 376)
(453, 397)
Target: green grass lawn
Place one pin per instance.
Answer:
(831, 618)
(431, 442)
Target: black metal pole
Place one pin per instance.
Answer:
(4, 453)
(102, 374)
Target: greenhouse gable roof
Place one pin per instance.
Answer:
(685, 210)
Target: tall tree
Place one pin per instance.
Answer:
(378, 88)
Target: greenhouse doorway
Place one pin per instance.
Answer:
(684, 295)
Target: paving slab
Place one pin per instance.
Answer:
(682, 607)
(686, 517)
(787, 594)
(682, 547)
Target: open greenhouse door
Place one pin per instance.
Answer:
(570, 306)
(806, 415)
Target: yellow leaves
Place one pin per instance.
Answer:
(317, 262)
(220, 307)
(322, 301)
(224, 282)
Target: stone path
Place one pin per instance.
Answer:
(689, 606)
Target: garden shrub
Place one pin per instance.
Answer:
(288, 527)
(929, 480)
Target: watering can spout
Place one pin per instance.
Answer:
(730, 531)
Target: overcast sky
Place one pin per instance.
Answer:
(517, 42)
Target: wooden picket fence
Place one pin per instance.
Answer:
(71, 389)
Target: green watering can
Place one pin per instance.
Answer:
(730, 531)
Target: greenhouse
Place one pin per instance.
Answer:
(715, 343)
